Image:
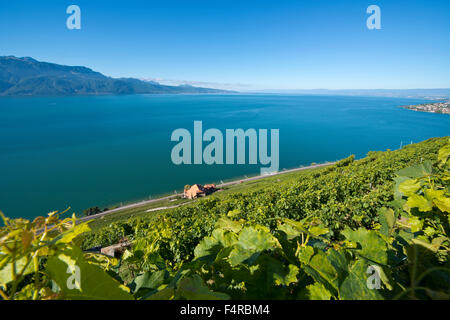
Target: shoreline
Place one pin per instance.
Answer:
(219, 186)
(442, 107)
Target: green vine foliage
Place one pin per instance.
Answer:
(376, 228)
(348, 194)
(42, 260)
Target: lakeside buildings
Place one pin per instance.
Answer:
(437, 107)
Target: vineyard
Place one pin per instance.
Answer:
(375, 228)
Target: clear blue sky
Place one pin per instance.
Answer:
(267, 44)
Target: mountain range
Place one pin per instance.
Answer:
(29, 77)
(430, 94)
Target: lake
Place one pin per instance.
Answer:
(106, 150)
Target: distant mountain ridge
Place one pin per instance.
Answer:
(29, 77)
(432, 94)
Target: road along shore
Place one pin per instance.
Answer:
(145, 202)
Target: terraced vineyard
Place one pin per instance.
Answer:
(375, 228)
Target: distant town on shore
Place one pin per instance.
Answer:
(437, 107)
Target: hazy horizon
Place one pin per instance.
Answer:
(243, 88)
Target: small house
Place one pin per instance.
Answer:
(116, 250)
(197, 190)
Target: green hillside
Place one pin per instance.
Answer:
(375, 228)
(346, 194)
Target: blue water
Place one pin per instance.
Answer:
(100, 151)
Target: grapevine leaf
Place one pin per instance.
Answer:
(79, 280)
(373, 247)
(420, 202)
(444, 154)
(355, 285)
(439, 199)
(252, 241)
(339, 262)
(417, 171)
(233, 213)
(6, 270)
(150, 280)
(321, 270)
(387, 220)
(305, 254)
(193, 288)
(290, 231)
(317, 231)
(282, 276)
(257, 238)
(207, 249)
(415, 223)
(317, 291)
(398, 181)
(165, 294)
(72, 233)
(225, 238)
(227, 224)
(433, 246)
(240, 254)
(409, 187)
